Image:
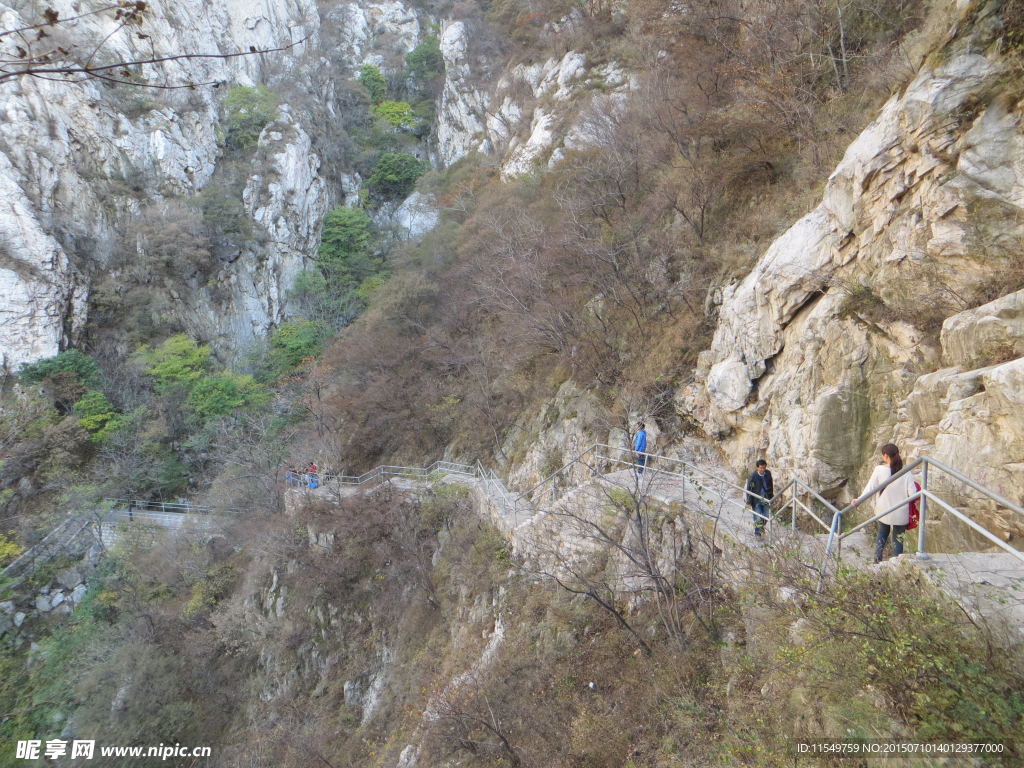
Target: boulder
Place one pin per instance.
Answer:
(69, 577)
(986, 334)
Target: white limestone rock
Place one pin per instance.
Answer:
(62, 144)
(976, 335)
(729, 385)
(416, 216)
(462, 105)
(524, 157)
(799, 370)
(38, 286)
(533, 112)
(361, 23)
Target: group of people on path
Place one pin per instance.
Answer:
(760, 488)
(296, 478)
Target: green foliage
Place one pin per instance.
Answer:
(345, 256)
(396, 113)
(221, 393)
(424, 65)
(223, 213)
(192, 394)
(316, 301)
(169, 471)
(208, 590)
(370, 286)
(248, 110)
(424, 112)
(179, 360)
(98, 416)
(71, 361)
(293, 342)
(395, 175)
(424, 68)
(8, 550)
(934, 668)
(346, 231)
(373, 81)
(307, 282)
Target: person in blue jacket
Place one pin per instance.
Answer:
(640, 447)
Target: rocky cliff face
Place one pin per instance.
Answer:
(80, 160)
(77, 160)
(888, 312)
(832, 345)
(528, 115)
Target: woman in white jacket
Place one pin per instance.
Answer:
(896, 521)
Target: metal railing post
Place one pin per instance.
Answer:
(828, 549)
(922, 554)
(546, 490)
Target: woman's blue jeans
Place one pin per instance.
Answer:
(883, 536)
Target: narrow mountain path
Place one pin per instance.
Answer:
(989, 585)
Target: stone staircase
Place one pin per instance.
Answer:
(536, 524)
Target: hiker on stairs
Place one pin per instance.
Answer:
(640, 447)
(760, 488)
(895, 522)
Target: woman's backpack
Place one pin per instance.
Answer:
(915, 509)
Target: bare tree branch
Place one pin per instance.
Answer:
(57, 62)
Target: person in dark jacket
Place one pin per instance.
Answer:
(760, 488)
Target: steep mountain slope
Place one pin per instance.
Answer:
(869, 320)
(607, 235)
(84, 164)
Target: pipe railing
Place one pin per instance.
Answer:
(924, 495)
(532, 497)
(799, 493)
(795, 488)
(163, 506)
(549, 481)
(722, 490)
(392, 470)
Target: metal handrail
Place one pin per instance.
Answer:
(568, 465)
(393, 470)
(512, 503)
(691, 465)
(769, 518)
(924, 495)
(579, 459)
(797, 485)
(972, 524)
(916, 496)
(163, 506)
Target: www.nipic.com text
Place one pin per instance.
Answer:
(51, 749)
